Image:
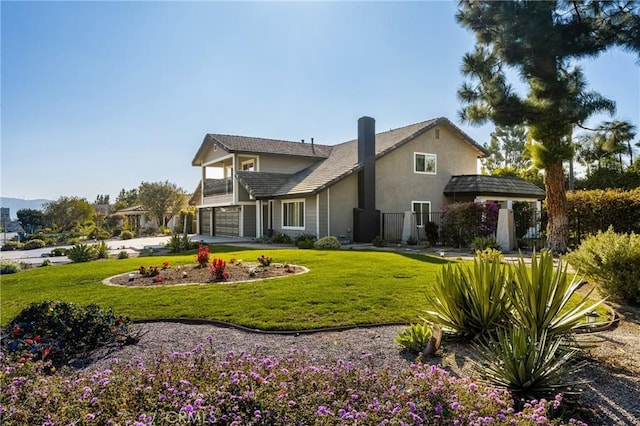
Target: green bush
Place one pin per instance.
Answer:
(12, 245)
(59, 251)
(305, 244)
(34, 244)
(304, 237)
(483, 243)
(281, 238)
(101, 250)
(327, 243)
(378, 241)
(45, 262)
(61, 332)
(127, 235)
(431, 232)
(415, 338)
(48, 239)
(597, 210)
(469, 300)
(411, 241)
(9, 267)
(123, 255)
(613, 260)
(180, 242)
(81, 253)
(99, 233)
(73, 240)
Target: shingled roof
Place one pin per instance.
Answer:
(492, 185)
(343, 160)
(262, 184)
(334, 162)
(252, 145)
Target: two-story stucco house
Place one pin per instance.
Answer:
(252, 187)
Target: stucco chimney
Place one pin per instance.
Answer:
(367, 159)
(366, 219)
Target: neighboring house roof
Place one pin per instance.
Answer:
(246, 144)
(492, 185)
(132, 210)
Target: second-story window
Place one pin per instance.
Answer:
(248, 166)
(424, 163)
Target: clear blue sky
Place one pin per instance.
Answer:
(100, 96)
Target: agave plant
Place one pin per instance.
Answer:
(527, 363)
(470, 300)
(419, 338)
(540, 296)
(81, 253)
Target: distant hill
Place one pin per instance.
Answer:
(15, 204)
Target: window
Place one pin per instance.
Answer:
(422, 210)
(248, 166)
(424, 163)
(293, 214)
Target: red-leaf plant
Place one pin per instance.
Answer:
(217, 269)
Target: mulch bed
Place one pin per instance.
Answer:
(194, 274)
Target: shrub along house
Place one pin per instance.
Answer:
(252, 187)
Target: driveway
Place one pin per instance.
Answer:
(132, 246)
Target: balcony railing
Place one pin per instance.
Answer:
(218, 187)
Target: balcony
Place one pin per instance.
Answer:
(218, 190)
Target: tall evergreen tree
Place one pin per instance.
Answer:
(542, 41)
(507, 149)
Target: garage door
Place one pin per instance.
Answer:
(205, 221)
(226, 221)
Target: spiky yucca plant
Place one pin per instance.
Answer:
(469, 300)
(527, 363)
(540, 296)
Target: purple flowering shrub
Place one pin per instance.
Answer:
(241, 389)
(462, 222)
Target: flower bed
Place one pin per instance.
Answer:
(198, 387)
(190, 274)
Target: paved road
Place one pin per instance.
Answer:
(35, 256)
(131, 246)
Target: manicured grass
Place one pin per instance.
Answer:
(342, 288)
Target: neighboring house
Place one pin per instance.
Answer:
(139, 219)
(252, 187)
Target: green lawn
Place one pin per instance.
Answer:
(342, 288)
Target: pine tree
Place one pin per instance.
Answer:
(542, 41)
(507, 149)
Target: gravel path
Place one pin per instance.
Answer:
(613, 396)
